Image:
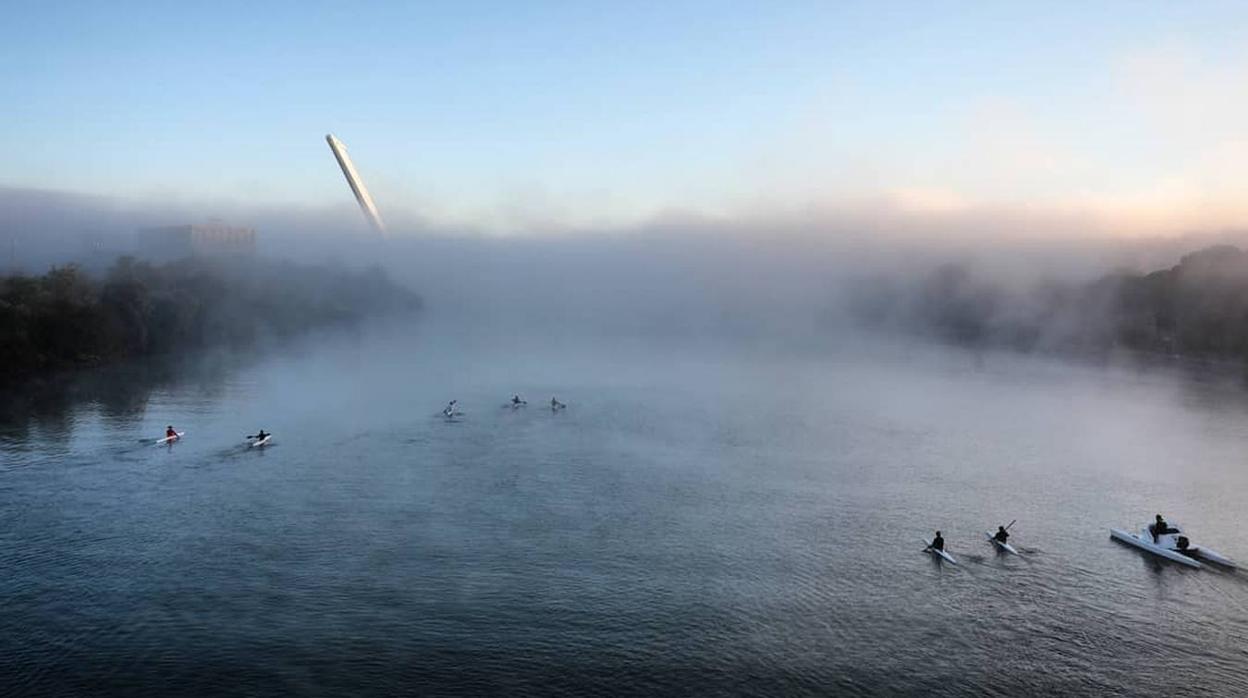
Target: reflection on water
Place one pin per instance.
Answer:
(119, 394)
(698, 521)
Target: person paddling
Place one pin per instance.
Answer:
(1002, 536)
(516, 401)
(262, 435)
(1161, 528)
(450, 408)
(170, 433)
(938, 543)
(556, 405)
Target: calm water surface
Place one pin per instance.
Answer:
(699, 521)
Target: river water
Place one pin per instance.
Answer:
(702, 519)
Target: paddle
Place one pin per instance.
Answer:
(1011, 524)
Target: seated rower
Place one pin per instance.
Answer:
(938, 543)
(1160, 528)
(1002, 536)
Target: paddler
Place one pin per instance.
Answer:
(516, 401)
(261, 435)
(938, 543)
(1160, 528)
(170, 433)
(1002, 536)
(556, 405)
(450, 408)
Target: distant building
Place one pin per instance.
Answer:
(210, 240)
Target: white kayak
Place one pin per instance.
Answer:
(940, 554)
(256, 443)
(1172, 546)
(170, 439)
(1005, 547)
(1213, 556)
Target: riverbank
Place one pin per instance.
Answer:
(1196, 309)
(67, 319)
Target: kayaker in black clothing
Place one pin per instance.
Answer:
(1161, 528)
(938, 543)
(1002, 536)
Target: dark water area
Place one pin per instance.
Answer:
(701, 520)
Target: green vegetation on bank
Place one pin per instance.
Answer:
(65, 318)
(1197, 308)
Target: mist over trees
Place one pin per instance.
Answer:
(1198, 307)
(67, 318)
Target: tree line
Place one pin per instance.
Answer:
(68, 318)
(1198, 307)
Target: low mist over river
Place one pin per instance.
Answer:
(597, 349)
(705, 517)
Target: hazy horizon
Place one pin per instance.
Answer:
(1113, 119)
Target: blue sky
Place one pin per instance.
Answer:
(521, 115)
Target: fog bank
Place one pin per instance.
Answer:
(762, 275)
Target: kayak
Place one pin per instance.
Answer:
(1146, 543)
(1006, 547)
(1213, 556)
(254, 443)
(1172, 546)
(170, 439)
(1200, 552)
(940, 554)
